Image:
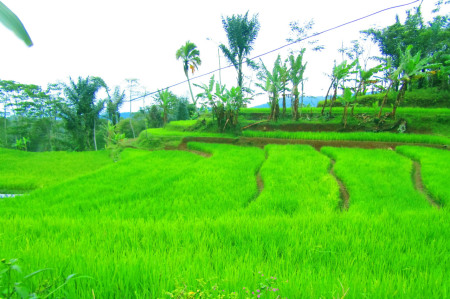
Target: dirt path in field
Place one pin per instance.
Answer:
(345, 196)
(317, 144)
(183, 147)
(418, 184)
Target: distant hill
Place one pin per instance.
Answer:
(312, 101)
(124, 114)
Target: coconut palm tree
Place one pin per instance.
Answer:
(81, 111)
(190, 56)
(241, 34)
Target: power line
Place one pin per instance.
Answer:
(284, 46)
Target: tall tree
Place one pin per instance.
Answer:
(412, 68)
(81, 111)
(273, 82)
(190, 57)
(241, 34)
(166, 100)
(296, 71)
(113, 104)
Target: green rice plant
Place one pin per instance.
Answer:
(135, 187)
(157, 221)
(296, 180)
(435, 170)
(377, 180)
(354, 136)
(180, 125)
(165, 132)
(24, 171)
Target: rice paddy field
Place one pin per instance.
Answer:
(225, 221)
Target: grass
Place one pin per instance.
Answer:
(353, 136)
(435, 165)
(156, 221)
(24, 171)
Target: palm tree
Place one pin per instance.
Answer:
(190, 56)
(166, 100)
(241, 34)
(113, 103)
(81, 110)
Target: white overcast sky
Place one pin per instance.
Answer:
(116, 40)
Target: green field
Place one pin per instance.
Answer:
(162, 220)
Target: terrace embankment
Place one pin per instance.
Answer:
(345, 196)
(183, 147)
(417, 180)
(317, 144)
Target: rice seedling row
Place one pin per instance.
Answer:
(136, 240)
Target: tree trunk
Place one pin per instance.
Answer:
(384, 99)
(326, 97)
(301, 104)
(295, 108)
(333, 99)
(400, 96)
(284, 103)
(192, 95)
(6, 134)
(345, 114)
(95, 140)
(131, 124)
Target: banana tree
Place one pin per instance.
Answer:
(208, 95)
(296, 71)
(412, 68)
(284, 78)
(392, 77)
(231, 102)
(272, 82)
(340, 73)
(347, 99)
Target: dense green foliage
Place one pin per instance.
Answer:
(155, 221)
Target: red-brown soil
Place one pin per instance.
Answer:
(345, 196)
(417, 180)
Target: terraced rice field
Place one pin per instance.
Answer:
(235, 221)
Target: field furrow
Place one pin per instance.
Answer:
(296, 180)
(434, 170)
(377, 180)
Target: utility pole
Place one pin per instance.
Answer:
(132, 83)
(218, 55)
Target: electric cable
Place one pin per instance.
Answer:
(279, 48)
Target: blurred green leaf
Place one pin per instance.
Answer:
(12, 22)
